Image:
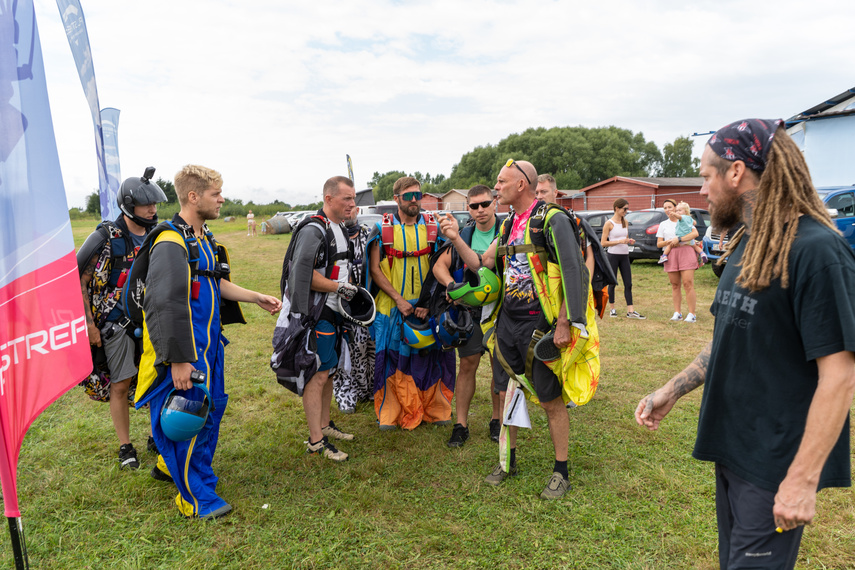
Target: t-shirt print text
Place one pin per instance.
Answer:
(732, 299)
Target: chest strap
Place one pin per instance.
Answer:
(504, 250)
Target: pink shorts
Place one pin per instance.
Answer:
(681, 258)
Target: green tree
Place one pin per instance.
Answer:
(575, 156)
(169, 189)
(381, 184)
(93, 203)
(677, 158)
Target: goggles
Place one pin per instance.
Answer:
(410, 196)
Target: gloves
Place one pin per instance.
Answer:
(347, 291)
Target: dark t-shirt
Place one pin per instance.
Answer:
(762, 372)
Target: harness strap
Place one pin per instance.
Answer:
(536, 335)
(520, 248)
(392, 252)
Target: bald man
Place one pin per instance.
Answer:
(525, 313)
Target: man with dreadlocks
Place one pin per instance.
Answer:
(779, 373)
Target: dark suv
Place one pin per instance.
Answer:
(643, 225)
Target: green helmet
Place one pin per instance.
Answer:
(481, 288)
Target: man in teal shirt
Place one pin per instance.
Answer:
(449, 268)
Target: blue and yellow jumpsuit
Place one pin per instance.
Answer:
(182, 324)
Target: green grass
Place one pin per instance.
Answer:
(404, 500)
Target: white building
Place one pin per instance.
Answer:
(826, 135)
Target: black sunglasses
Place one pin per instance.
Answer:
(511, 162)
(476, 205)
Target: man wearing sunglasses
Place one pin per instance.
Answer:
(410, 385)
(524, 311)
(448, 269)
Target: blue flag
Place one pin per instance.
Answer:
(78, 39)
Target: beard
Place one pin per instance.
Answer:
(411, 210)
(727, 212)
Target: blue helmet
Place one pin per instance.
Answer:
(454, 327)
(182, 418)
(418, 333)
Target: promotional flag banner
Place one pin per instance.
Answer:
(350, 168)
(44, 348)
(78, 39)
(110, 128)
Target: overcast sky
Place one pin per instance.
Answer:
(275, 93)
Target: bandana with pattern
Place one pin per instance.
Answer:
(747, 140)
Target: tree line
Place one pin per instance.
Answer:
(575, 156)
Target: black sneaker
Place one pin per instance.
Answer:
(459, 435)
(128, 457)
(151, 446)
(159, 475)
(495, 428)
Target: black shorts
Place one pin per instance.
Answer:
(475, 344)
(513, 338)
(746, 526)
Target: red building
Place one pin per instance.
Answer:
(641, 193)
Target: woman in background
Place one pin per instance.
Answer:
(682, 262)
(616, 240)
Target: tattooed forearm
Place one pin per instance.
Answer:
(89, 270)
(693, 375)
(85, 278)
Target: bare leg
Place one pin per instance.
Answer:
(688, 278)
(559, 426)
(464, 390)
(314, 396)
(676, 296)
(119, 410)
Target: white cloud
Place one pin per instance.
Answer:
(274, 94)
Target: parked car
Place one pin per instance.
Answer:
(711, 247)
(840, 201)
(597, 219)
(643, 225)
(369, 220)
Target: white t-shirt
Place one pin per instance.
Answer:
(341, 264)
(667, 230)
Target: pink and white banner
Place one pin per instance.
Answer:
(44, 350)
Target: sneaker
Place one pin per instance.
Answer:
(497, 476)
(676, 316)
(635, 315)
(159, 475)
(613, 313)
(556, 487)
(459, 435)
(495, 428)
(662, 259)
(704, 258)
(327, 449)
(151, 446)
(545, 349)
(128, 457)
(690, 318)
(335, 433)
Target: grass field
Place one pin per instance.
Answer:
(404, 500)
